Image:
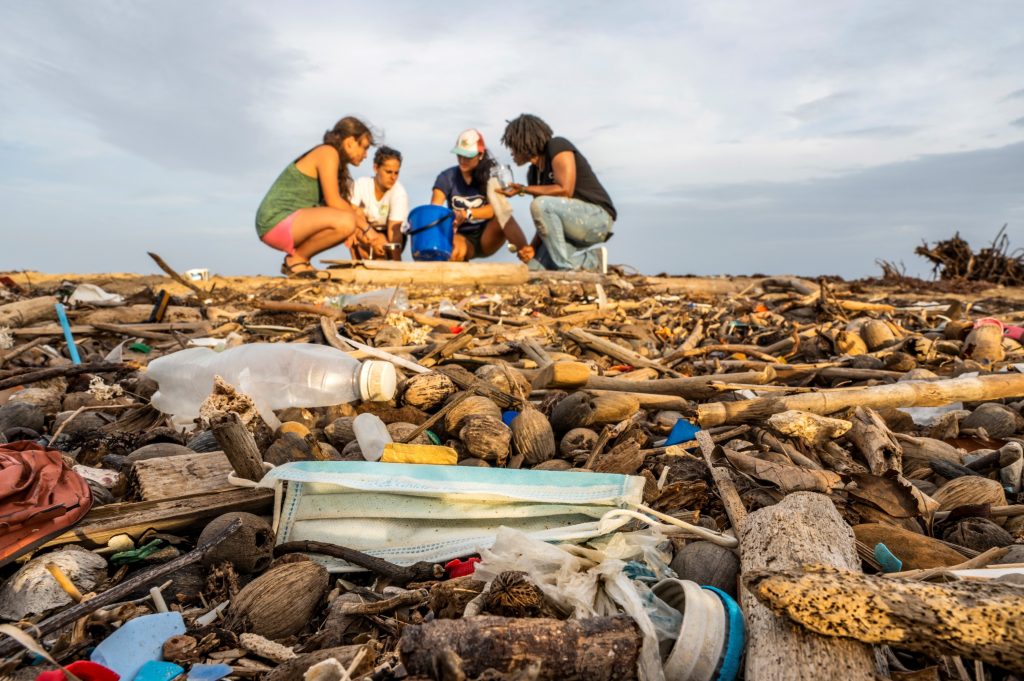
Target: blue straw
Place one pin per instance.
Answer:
(72, 348)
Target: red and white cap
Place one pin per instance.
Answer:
(470, 144)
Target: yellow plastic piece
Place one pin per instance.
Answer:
(397, 452)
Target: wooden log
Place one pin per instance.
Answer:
(691, 387)
(595, 649)
(803, 528)
(562, 375)
(902, 394)
(875, 442)
(239, 446)
(64, 370)
(974, 619)
(135, 518)
(383, 273)
(28, 311)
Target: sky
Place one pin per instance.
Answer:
(735, 137)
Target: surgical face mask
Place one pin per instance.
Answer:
(406, 513)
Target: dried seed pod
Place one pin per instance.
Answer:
(250, 549)
(296, 427)
(505, 378)
(614, 407)
(280, 602)
(426, 391)
(533, 437)
(848, 343)
(486, 437)
(553, 465)
(512, 594)
(340, 431)
(985, 343)
(21, 415)
(967, 490)
(204, 441)
(575, 411)
(998, 420)
(400, 430)
(708, 564)
(877, 334)
(576, 441)
(979, 534)
(474, 405)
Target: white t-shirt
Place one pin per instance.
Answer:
(392, 207)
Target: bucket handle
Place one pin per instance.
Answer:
(431, 225)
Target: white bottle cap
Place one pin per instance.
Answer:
(377, 381)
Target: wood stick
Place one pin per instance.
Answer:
(726, 487)
(751, 350)
(617, 351)
(36, 375)
(903, 394)
(691, 387)
(177, 277)
(20, 350)
(301, 308)
(396, 574)
(975, 619)
(239, 446)
(113, 595)
(875, 442)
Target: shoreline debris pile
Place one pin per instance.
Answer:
(590, 477)
(955, 259)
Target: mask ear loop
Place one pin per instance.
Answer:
(674, 524)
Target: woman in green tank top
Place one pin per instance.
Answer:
(305, 212)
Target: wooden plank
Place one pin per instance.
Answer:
(166, 515)
(181, 476)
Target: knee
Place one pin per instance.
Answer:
(539, 206)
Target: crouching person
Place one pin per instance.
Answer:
(571, 209)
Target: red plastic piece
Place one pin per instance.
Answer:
(83, 669)
(458, 568)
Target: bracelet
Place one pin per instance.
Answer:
(522, 190)
(469, 213)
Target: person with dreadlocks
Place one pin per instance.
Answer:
(483, 216)
(571, 209)
(306, 210)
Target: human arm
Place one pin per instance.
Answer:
(563, 166)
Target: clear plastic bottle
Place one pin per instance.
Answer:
(274, 375)
(372, 436)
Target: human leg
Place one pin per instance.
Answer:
(461, 249)
(491, 238)
(314, 230)
(567, 227)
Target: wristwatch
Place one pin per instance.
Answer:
(469, 214)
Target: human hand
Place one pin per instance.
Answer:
(377, 242)
(460, 217)
(361, 223)
(513, 189)
(525, 253)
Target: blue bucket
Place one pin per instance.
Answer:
(430, 229)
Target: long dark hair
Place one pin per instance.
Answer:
(349, 126)
(482, 172)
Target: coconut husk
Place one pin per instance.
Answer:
(969, 490)
(427, 391)
(280, 602)
(486, 437)
(475, 405)
(532, 436)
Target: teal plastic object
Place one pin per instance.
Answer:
(208, 672)
(736, 639)
(886, 559)
(159, 671)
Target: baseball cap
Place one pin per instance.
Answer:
(469, 144)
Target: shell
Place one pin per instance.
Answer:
(969, 489)
(505, 378)
(475, 405)
(427, 391)
(486, 437)
(532, 437)
(577, 440)
(280, 602)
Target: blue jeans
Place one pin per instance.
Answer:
(567, 227)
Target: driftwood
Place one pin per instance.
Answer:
(395, 574)
(389, 273)
(596, 649)
(974, 619)
(803, 528)
(904, 394)
(875, 442)
(29, 377)
(239, 446)
(28, 311)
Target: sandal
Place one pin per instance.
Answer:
(302, 269)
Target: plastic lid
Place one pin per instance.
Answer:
(377, 381)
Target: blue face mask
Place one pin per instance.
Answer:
(406, 513)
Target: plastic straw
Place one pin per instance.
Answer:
(72, 348)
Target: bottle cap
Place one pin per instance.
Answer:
(377, 381)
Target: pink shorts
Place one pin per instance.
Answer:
(280, 237)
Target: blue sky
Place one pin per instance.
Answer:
(735, 137)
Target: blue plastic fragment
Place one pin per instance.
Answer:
(68, 337)
(137, 642)
(886, 559)
(508, 416)
(729, 665)
(208, 672)
(155, 670)
(683, 431)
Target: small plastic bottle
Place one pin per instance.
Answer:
(274, 375)
(372, 435)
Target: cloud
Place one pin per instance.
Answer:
(1019, 122)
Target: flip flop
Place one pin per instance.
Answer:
(294, 270)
